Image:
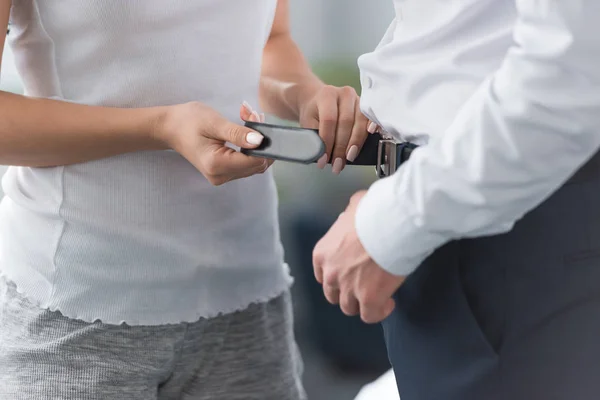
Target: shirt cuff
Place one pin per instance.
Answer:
(389, 229)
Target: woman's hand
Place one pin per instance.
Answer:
(247, 113)
(199, 134)
(335, 111)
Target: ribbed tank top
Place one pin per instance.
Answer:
(141, 238)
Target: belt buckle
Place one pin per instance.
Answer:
(386, 157)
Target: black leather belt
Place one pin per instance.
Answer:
(305, 146)
(386, 155)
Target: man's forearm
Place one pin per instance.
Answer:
(519, 138)
(43, 132)
(287, 79)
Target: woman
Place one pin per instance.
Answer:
(131, 270)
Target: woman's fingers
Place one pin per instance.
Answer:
(347, 101)
(358, 136)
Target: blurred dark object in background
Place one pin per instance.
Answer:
(349, 344)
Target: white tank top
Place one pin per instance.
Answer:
(141, 238)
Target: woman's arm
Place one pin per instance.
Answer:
(287, 78)
(41, 132)
(291, 91)
(44, 133)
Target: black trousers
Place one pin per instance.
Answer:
(512, 317)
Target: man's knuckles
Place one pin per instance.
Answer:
(330, 277)
(369, 299)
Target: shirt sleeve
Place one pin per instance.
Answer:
(526, 130)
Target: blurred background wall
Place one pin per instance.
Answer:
(337, 31)
(341, 354)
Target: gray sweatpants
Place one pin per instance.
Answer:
(249, 354)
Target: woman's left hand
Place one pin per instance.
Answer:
(335, 111)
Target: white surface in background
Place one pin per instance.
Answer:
(384, 388)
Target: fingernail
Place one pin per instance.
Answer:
(337, 166)
(248, 107)
(372, 128)
(254, 138)
(262, 117)
(322, 161)
(352, 153)
(256, 116)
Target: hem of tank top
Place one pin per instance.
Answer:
(279, 290)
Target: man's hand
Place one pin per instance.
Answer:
(349, 276)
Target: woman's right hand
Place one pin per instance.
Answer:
(199, 134)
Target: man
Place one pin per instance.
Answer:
(482, 252)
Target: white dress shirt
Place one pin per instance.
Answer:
(506, 94)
